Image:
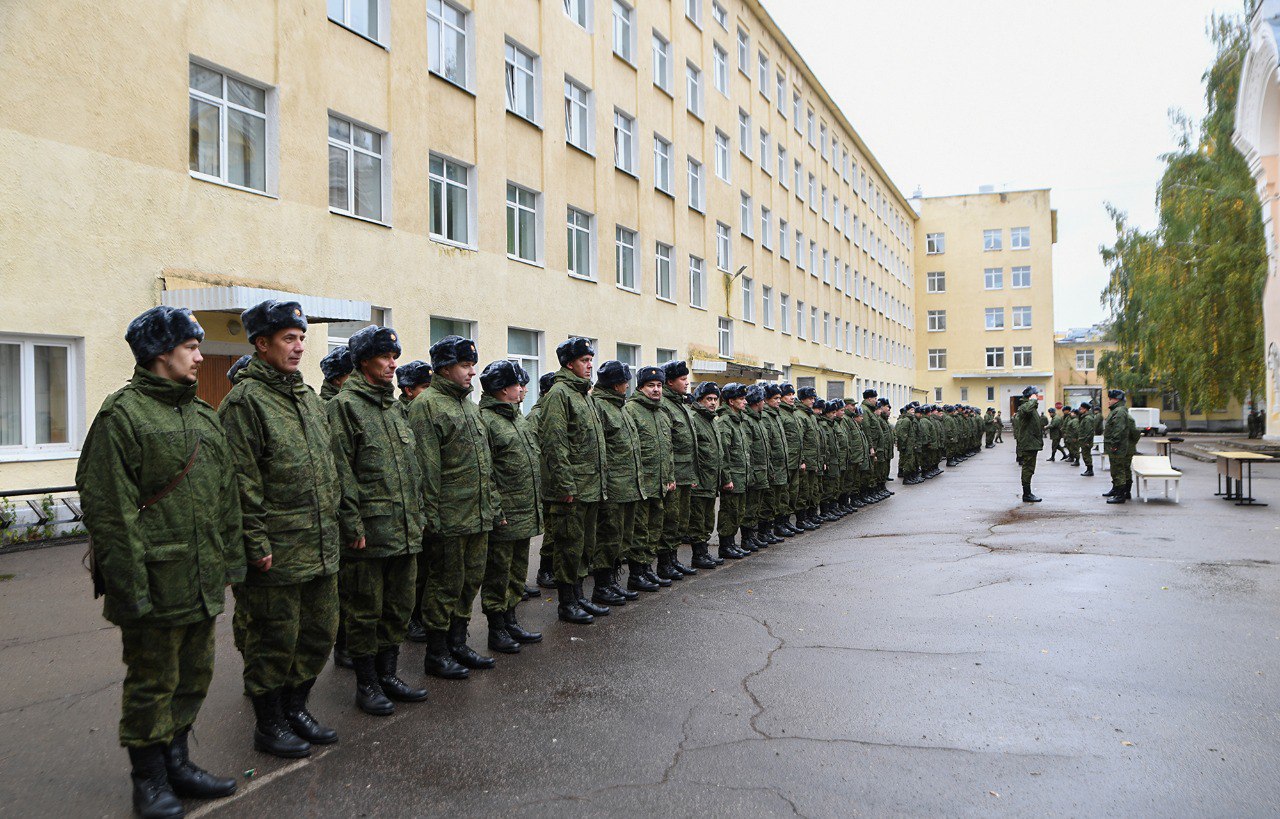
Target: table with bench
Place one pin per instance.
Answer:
(1237, 467)
(1155, 468)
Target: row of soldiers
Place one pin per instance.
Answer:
(1077, 429)
(1072, 431)
(363, 518)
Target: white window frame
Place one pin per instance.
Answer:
(813, 324)
(934, 243)
(780, 93)
(532, 364)
(383, 26)
(748, 287)
(664, 257)
(1021, 317)
(724, 247)
(26, 449)
(697, 184)
(1020, 238)
(575, 109)
(937, 321)
(720, 15)
(746, 214)
(995, 358)
(1020, 273)
(573, 226)
(784, 239)
(784, 312)
(1086, 360)
(662, 68)
(693, 11)
(625, 156)
(513, 52)
(623, 25)
(663, 178)
(784, 164)
(1022, 357)
(579, 11)
(993, 278)
(992, 240)
(766, 228)
(766, 150)
(384, 158)
(697, 283)
(626, 244)
(720, 69)
(470, 187)
(993, 318)
(724, 337)
(766, 306)
(765, 68)
(936, 281)
(533, 213)
(693, 88)
(271, 140)
(800, 321)
(724, 165)
(435, 56)
(800, 249)
(744, 53)
(744, 134)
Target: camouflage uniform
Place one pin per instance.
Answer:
(735, 466)
(675, 506)
(707, 462)
(653, 427)
(573, 465)
(517, 477)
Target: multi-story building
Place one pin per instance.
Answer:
(985, 297)
(668, 178)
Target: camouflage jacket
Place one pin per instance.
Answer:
(457, 467)
(517, 473)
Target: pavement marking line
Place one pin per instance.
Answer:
(253, 785)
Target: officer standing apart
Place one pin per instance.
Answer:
(289, 492)
(379, 519)
(1029, 438)
(160, 503)
(1120, 436)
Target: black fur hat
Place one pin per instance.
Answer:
(869, 393)
(413, 374)
(883, 402)
(573, 349)
(786, 388)
(755, 394)
(819, 405)
(1028, 392)
(498, 375)
(674, 369)
(771, 390)
(159, 330)
(337, 363)
(545, 382)
(452, 350)
(612, 373)
(241, 363)
(1116, 394)
(733, 390)
(522, 376)
(266, 318)
(1086, 406)
(371, 342)
(856, 409)
(704, 389)
(806, 392)
(647, 374)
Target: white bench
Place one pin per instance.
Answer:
(1156, 468)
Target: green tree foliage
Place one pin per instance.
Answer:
(1186, 298)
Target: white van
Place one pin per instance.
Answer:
(1148, 420)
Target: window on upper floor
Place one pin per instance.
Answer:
(723, 168)
(523, 82)
(664, 281)
(624, 142)
(744, 52)
(744, 133)
(763, 60)
(934, 243)
(364, 17)
(524, 215)
(1022, 356)
(451, 200)
(579, 11)
(1021, 276)
(993, 278)
(661, 62)
(720, 69)
(1022, 318)
(697, 283)
(357, 171)
(937, 321)
(693, 89)
(624, 258)
(231, 130)
(994, 317)
(697, 185)
(662, 165)
(992, 240)
(1084, 359)
(581, 235)
(745, 208)
(723, 247)
(995, 358)
(624, 34)
(447, 41)
(1020, 238)
(693, 10)
(720, 15)
(577, 115)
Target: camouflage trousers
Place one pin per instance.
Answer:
(455, 569)
(1028, 460)
(732, 505)
(167, 674)
(1086, 453)
(675, 517)
(751, 506)
(650, 515)
(831, 486)
(991, 437)
(240, 618)
(506, 568)
(616, 533)
(702, 518)
(573, 527)
(377, 595)
(290, 634)
(1120, 469)
(779, 500)
(548, 547)
(795, 487)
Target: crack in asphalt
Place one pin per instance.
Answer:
(78, 697)
(18, 642)
(975, 588)
(896, 651)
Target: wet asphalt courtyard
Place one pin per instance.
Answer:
(950, 651)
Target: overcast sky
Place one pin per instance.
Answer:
(1071, 95)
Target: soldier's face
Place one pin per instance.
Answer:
(461, 373)
(509, 395)
(773, 401)
(680, 385)
(653, 389)
(790, 399)
(738, 404)
(582, 367)
(179, 364)
(380, 370)
(524, 390)
(711, 402)
(283, 350)
(414, 392)
(808, 402)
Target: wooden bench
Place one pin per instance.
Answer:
(1156, 468)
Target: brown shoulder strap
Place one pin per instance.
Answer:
(173, 484)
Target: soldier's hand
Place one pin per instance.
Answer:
(262, 564)
(804, 467)
(671, 487)
(502, 522)
(728, 487)
(359, 544)
(567, 499)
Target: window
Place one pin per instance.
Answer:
(783, 163)
(629, 354)
(826, 328)
(364, 17)
(522, 223)
(447, 41)
(995, 358)
(800, 320)
(813, 193)
(992, 240)
(744, 52)
(693, 10)
(826, 266)
(661, 62)
(813, 324)
(355, 170)
(746, 210)
(524, 348)
(664, 284)
(522, 82)
(1020, 238)
(784, 239)
(579, 11)
(623, 30)
(766, 305)
(995, 318)
(813, 258)
(577, 115)
(720, 69)
(822, 140)
(799, 180)
(766, 228)
(934, 243)
(661, 164)
(696, 185)
(624, 142)
(693, 88)
(1084, 359)
(1022, 356)
(1021, 276)
(450, 200)
(784, 310)
(581, 236)
(41, 383)
(780, 93)
(766, 164)
(748, 299)
(937, 394)
(993, 278)
(719, 14)
(795, 110)
(1022, 318)
(725, 337)
(935, 282)
(624, 258)
(228, 124)
(937, 320)
(826, 214)
(697, 283)
(722, 155)
(800, 249)
(764, 75)
(723, 258)
(809, 127)
(964, 394)
(744, 134)
(991, 393)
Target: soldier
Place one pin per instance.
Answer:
(707, 463)
(906, 431)
(289, 493)
(999, 428)
(517, 477)
(758, 474)
(1030, 440)
(841, 450)
(885, 450)
(336, 367)
(1120, 437)
(989, 426)
(811, 456)
(735, 466)
(240, 618)
(657, 476)
(160, 502)
(1087, 431)
(412, 379)
(796, 466)
(379, 519)
(1071, 435)
(616, 526)
(460, 505)
(871, 423)
(573, 475)
(546, 577)
(773, 519)
(675, 504)
(1055, 434)
(526, 591)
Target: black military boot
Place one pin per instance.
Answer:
(530, 592)
(702, 557)
(665, 570)
(417, 632)
(499, 639)
(300, 719)
(386, 663)
(764, 534)
(1027, 497)
(687, 571)
(547, 572)
(794, 528)
(518, 632)
(594, 609)
(341, 658)
(780, 529)
(654, 577)
(464, 653)
(272, 733)
(615, 584)
(802, 521)
(888, 493)
(1111, 492)
(729, 549)
(569, 609)
(747, 542)
(603, 592)
(439, 661)
(369, 695)
(153, 798)
(638, 578)
(1121, 496)
(1087, 473)
(190, 780)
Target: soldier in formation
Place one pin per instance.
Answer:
(1120, 437)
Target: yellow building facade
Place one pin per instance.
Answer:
(984, 298)
(668, 178)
